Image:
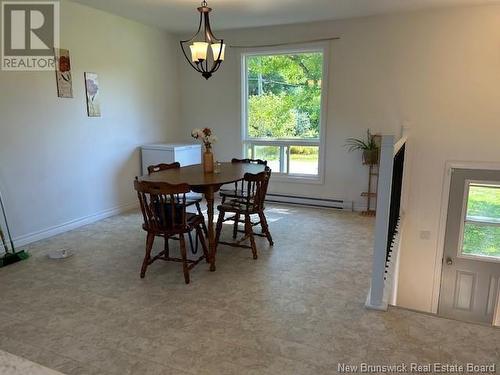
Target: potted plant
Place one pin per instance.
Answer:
(369, 147)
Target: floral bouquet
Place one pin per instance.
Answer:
(206, 136)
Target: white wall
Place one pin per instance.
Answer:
(56, 164)
(437, 71)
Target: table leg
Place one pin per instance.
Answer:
(209, 196)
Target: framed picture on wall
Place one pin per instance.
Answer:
(93, 94)
(63, 73)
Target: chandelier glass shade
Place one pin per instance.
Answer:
(206, 51)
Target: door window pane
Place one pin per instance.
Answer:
(304, 160)
(481, 240)
(483, 203)
(482, 221)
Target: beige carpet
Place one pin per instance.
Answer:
(298, 309)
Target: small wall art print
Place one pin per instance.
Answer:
(93, 95)
(63, 73)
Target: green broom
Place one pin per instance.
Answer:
(11, 256)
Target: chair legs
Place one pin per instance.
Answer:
(265, 228)
(218, 227)
(187, 264)
(235, 225)
(249, 233)
(263, 223)
(204, 247)
(185, 267)
(147, 257)
(203, 225)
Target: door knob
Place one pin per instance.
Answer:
(449, 261)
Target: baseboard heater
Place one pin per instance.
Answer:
(309, 201)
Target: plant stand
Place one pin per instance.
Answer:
(371, 193)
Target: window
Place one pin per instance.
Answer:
(481, 227)
(283, 95)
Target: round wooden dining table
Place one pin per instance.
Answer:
(207, 184)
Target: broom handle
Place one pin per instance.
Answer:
(3, 241)
(7, 224)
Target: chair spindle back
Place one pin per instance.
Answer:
(163, 205)
(240, 185)
(257, 189)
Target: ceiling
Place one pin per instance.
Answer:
(181, 15)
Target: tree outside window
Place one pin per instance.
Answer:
(284, 94)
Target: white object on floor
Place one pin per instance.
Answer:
(60, 254)
(14, 365)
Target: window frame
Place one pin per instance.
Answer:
(288, 142)
(464, 221)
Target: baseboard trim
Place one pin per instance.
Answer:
(73, 224)
(309, 201)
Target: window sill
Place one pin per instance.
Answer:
(298, 179)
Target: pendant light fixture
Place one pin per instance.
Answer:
(203, 44)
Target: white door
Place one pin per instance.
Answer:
(471, 263)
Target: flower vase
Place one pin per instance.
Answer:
(208, 161)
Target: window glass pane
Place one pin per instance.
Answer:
(483, 203)
(271, 154)
(482, 226)
(248, 152)
(284, 95)
(481, 240)
(304, 160)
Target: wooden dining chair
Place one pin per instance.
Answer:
(251, 204)
(163, 208)
(239, 190)
(189, 201)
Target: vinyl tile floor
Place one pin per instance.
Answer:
(298, 309)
